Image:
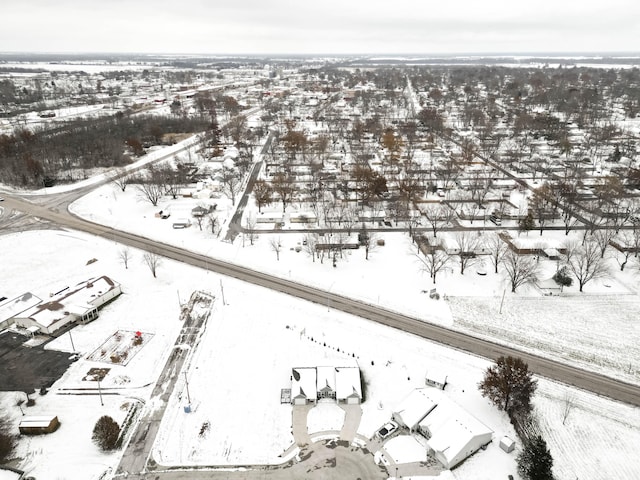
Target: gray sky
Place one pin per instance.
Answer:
(330, 26)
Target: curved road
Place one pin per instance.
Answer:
(552, 369)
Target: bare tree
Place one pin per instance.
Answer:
(603, 237)
(124, 255)
(231, 182)
(310, 244)
(520, 269)
(153, 261)
(585, 262)
(437, 216)
(498, 249)
(468, 243)
(214, 223)
(369, 240)
(435, 260)
(276, 246)
(250, 231)
(150, 188)
(626, 241)
(283, 185)
(120, 178)
(262, 194)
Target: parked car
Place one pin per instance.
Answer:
(387, 429)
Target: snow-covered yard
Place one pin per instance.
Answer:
(251, 343)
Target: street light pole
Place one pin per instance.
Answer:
(72, 345)
(187, 388)
(100, 392)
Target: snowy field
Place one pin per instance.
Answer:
(245, 356)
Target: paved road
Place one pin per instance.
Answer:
(552, 369)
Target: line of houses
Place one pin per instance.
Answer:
(78, 304)
(310, 384)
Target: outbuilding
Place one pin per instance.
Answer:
(507, 444)
(38, 425)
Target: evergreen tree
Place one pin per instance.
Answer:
(527, 222)
(535, 461)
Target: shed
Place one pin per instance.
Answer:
(507, 444)
(37, 425)
(435, 379)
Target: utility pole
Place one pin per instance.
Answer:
(100, 391)
(72, 345)
(222, 293)
(186, 383)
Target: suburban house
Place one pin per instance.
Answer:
(452, 433)
(348, 385)
(78, 304)
(326, 382)
(303, 386)
(38, 425)
(310, 384)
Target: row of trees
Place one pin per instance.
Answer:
(71, 150)
(509, 385)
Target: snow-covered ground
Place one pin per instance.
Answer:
(251, 343)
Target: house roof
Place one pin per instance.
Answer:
(15, 306)
(76, 300)
(416, 405)
(303, 382)
(326, 378)
(452, 428)
(348, 382)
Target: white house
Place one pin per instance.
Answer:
(415, 407)
(77, 304)
(303, 386)
(452, 433)
(326, 382)
(348, 385)
(310, 384)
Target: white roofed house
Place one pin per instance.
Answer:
(15, 306)
(77, 304)
(348, 385)
(303, 386)
(326, 382)
(452, 433)
(415, 407)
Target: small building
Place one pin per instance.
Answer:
(182, 223)
(303, 386)
(435, 379)
(38, 425)
(507, 444)
(348, 385)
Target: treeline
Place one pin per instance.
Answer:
(68, 152)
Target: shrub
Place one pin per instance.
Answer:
(106, 433)
(562, 277)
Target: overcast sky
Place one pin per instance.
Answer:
(328, 26)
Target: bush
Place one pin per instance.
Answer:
(106, 433)
(562, 277)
